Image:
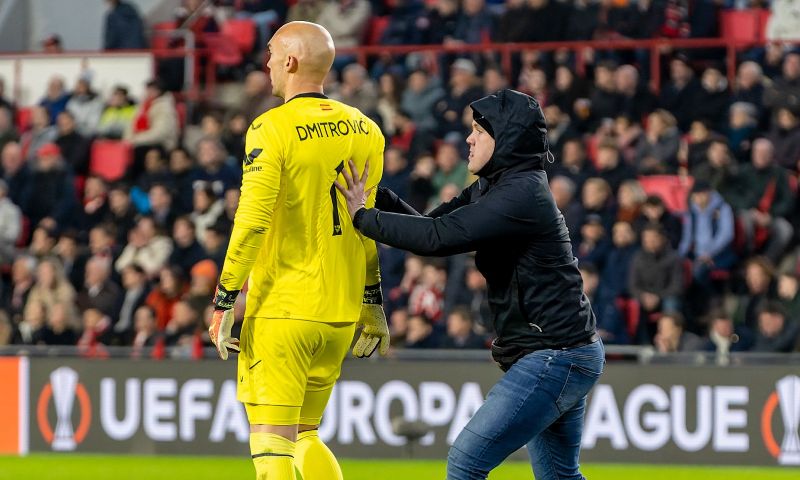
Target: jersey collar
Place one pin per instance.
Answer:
(308, 95)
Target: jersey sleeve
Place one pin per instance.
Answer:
(373, 276)
(261, 179)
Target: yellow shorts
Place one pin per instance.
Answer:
(287, 368)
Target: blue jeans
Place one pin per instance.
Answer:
(540, 403)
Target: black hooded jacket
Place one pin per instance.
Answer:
(509, 217)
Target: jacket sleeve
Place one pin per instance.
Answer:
(388, 201)
(460, 231)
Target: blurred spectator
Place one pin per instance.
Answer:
(102, 241)
(789, 295)
(464, 89)
(478, 302)
(346, 20)
(493, 80)
(654, 211)
(460, 332)
(614, 277)
(681, 95)
(43, 240)
(123, 28)
(51, 286)
(563, 190)
(117, 115)
(134, 284)
(402, 28)
(766, 202)
(73, 257)
(390, 93)
(694, 150)
(412, 140)
(208, 208)
(597, 198)
(427, 295)
(56, 97)
(776, 333)
(187, 249)
(573, 163)
(40, 133)
(759, 275)
(52, 44)
(673, 337)
(95, 202)
(305, 11)
(59, 328)
(627, 133)
(708, 229)
(161, 211)
(594, 245)
(155, 123)
(34, 320)
(167, 291)
(742, 129)
(146, 247)
(357, 89)
(419, 99)
(145, 328)
(475, 24)
(213, 167)
(120, 211)
(610, 325)
(22, 280)
(99, 291)
(785, 91)
(605, 101)
(548, 21)
(421, 189)
(156, 170)
(96, 330)
(451, 169)
(233, 135)
(630, 199)
(395, 172)
(85, 106)
(398, 327)
(210, 127)
(10, 226)
(559, 127)
(657, 152)
(197, 16)
(635, 100)
(611, 167)
(721, 171)
(567, 89)
(725, 337)
(182, 326)
(8, 132)
(257, 96)
(656, 275)
(440, 22)
(266, 14)
(74, 146)
(203, 282)
(514, 24)
(420, 333)
(749, 86)
(50, 192)
(215, 241)
(713, 98)
(231, 199)
(183, 173)
(785, 137)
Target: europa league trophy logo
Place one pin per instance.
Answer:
(788, 389)
(64, 380)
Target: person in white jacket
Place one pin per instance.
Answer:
(784, 23)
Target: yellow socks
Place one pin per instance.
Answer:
(314, 460)
(273, 456)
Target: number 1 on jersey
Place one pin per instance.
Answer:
(337, 224)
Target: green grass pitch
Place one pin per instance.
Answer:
(101, 467)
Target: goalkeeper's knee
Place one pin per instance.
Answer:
(273, 456)
(314, 460)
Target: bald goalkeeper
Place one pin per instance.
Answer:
(312, 277)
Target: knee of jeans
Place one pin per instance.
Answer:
(464, 453)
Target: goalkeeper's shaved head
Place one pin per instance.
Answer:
(301, 55)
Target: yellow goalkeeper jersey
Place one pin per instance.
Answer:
(292, 233)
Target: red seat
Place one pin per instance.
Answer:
(223, 50)
(375, 29)
(242, 31)
(673, 189)
(24, 117)
(630, 310)
(161, 38)
(763, 19)
(741, 25)
(110, 159)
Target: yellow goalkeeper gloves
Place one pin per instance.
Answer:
(221, 323)
(374, 329)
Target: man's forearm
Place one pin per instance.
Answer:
(242, 252)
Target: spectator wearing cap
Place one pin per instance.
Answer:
(680, 95)
(155, 123)
(654, 211)
(74, 146)
(86, 106)
(708, 230)
(776, 333)
(464, 89)
(117, 114)
(419, 97)
(123, 28)
(657, 152)
(714, 98)
(785, 137)
(40, 133)
(208, 208)
(188, 250)
(610, 324)
(56, 97)
(203, 278)
(10, 225)
(146, 247)
(785, 90)
(50, 192)
(766, 201)
(99, 291)
(656, 277)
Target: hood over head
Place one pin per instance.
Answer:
(517, 124)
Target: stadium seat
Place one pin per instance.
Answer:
(160, 39)
(242, 31)
(223, 50)
(763, 20)
(375, 29)
(630, 311)
(24, 117)
(673, 189)
(740, 25)
(110, 159)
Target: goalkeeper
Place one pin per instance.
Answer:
(309, 270)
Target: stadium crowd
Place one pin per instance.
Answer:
(135, 262)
